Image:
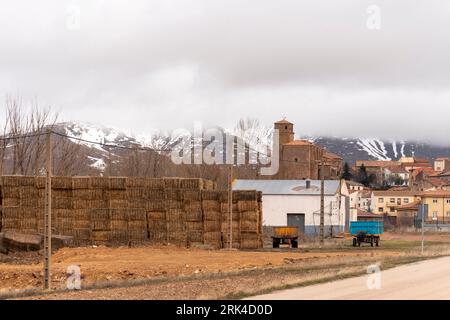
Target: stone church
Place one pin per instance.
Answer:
(301, 159)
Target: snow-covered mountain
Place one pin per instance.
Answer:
(257, 136)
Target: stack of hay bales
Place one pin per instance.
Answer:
(20, 204)
(212, 218)
(192, 208)
(155, 205)
(225, 227)
(250, 219)
(175, 215)
(84, 200)
(118, 205)
(62, 205)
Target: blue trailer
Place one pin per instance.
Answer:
(366, 232)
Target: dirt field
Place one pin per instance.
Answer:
(197, 273)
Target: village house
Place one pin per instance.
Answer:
(297, 203)
(386, 202)
(442, 164)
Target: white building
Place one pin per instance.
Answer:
(359, 197)
(297, 203)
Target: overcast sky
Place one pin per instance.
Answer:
(340, 68)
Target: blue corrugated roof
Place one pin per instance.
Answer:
(287, 187)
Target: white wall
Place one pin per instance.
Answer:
(276, 208)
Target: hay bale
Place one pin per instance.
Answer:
(156, 215)
(211, 205)
(137, 215)
(118, 214)
(119, 236)
(191, 183)
(212, 226)
(236, 216)
(82, 224)
(119, 183)
(11, 213)
(194, 215)
(61, 182)
(247, 206)
(62, 193)
(249, 226)
(100, 182)
(174, 204)
(64, 223)
(133, 182)
(81, 183)
(17, 181)
(245, 195)
(192, 205)
(11, 202)
(211, 195)
(89, 204)
(225, 227)
(11, 192)
(62, 203)
(101, 235)
(137, 235)
(157, 225)
(88, 194)
(175, 215)
(195, 236)
(117, 204)
(191, 195)
(177, 237)
(172, 183)
(137, 193)
(82, 233)
(119, 225)
(157, 236)
(212, 215)
(81, 214)
(40, 182)
(155, 205)
(100, 214)
(63, 213)
(250, 215)
(115, 194)
(30, 193)
(137, 225)
(155, 194)
(29, 224)
(194, 226)
(101, 225)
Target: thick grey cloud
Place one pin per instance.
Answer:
(139, 64)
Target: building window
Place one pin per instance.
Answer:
(406, 200)
(448, 213)
(399, 201)
(435, 201)
(392, 209)
(392, 200)
(380, 200)
(448, 201)
(380, 209)
(435, 213)
(296, 159)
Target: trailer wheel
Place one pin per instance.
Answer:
(377, 242)
(371, 241)
(354, 242)
(294, 243)
(276, 243)
(359, 243)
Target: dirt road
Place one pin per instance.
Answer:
(422, 280)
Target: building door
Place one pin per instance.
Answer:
(296, 220)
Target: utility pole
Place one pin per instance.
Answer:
(322, 201)
(48, 214)
(230, 206)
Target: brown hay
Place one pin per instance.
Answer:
(100, 182)
(101, 235)
(156, 215)
(175, 215)
(81, 183)
(82, 233)
(177, 237)
(195, 236)
(176, 226)
(113, 194)
(224, 207)
(62, 203)
(155, 183)
(157, 236)
(157, 225)
(137, 215)
(31, 192)
(82, 224)
(244, 195)
(191, 196)
(100, 214)
(247, 206)
(119, 236)
(62, 193)
(11, 192)
(61, 182)
(137, 225)
(28, 224)
(212, 215)
(101, 225)
(90, 204)
(118, 214)
(194, 215)
(63, 213)
(81, 214)
(118, 183)
(11, 202)
(64, 223)
(138, 235)
(117, 204)
(249, 226)
(194, 226)
(250, 215)
(87, 194)
(40, 182)
(155, 205)
(155, 194)
(211, 195)
(212, 226)
(250, 244)
(191, 183)
(172, 183)
(136, 193)
(211, 205)
(16, 181)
